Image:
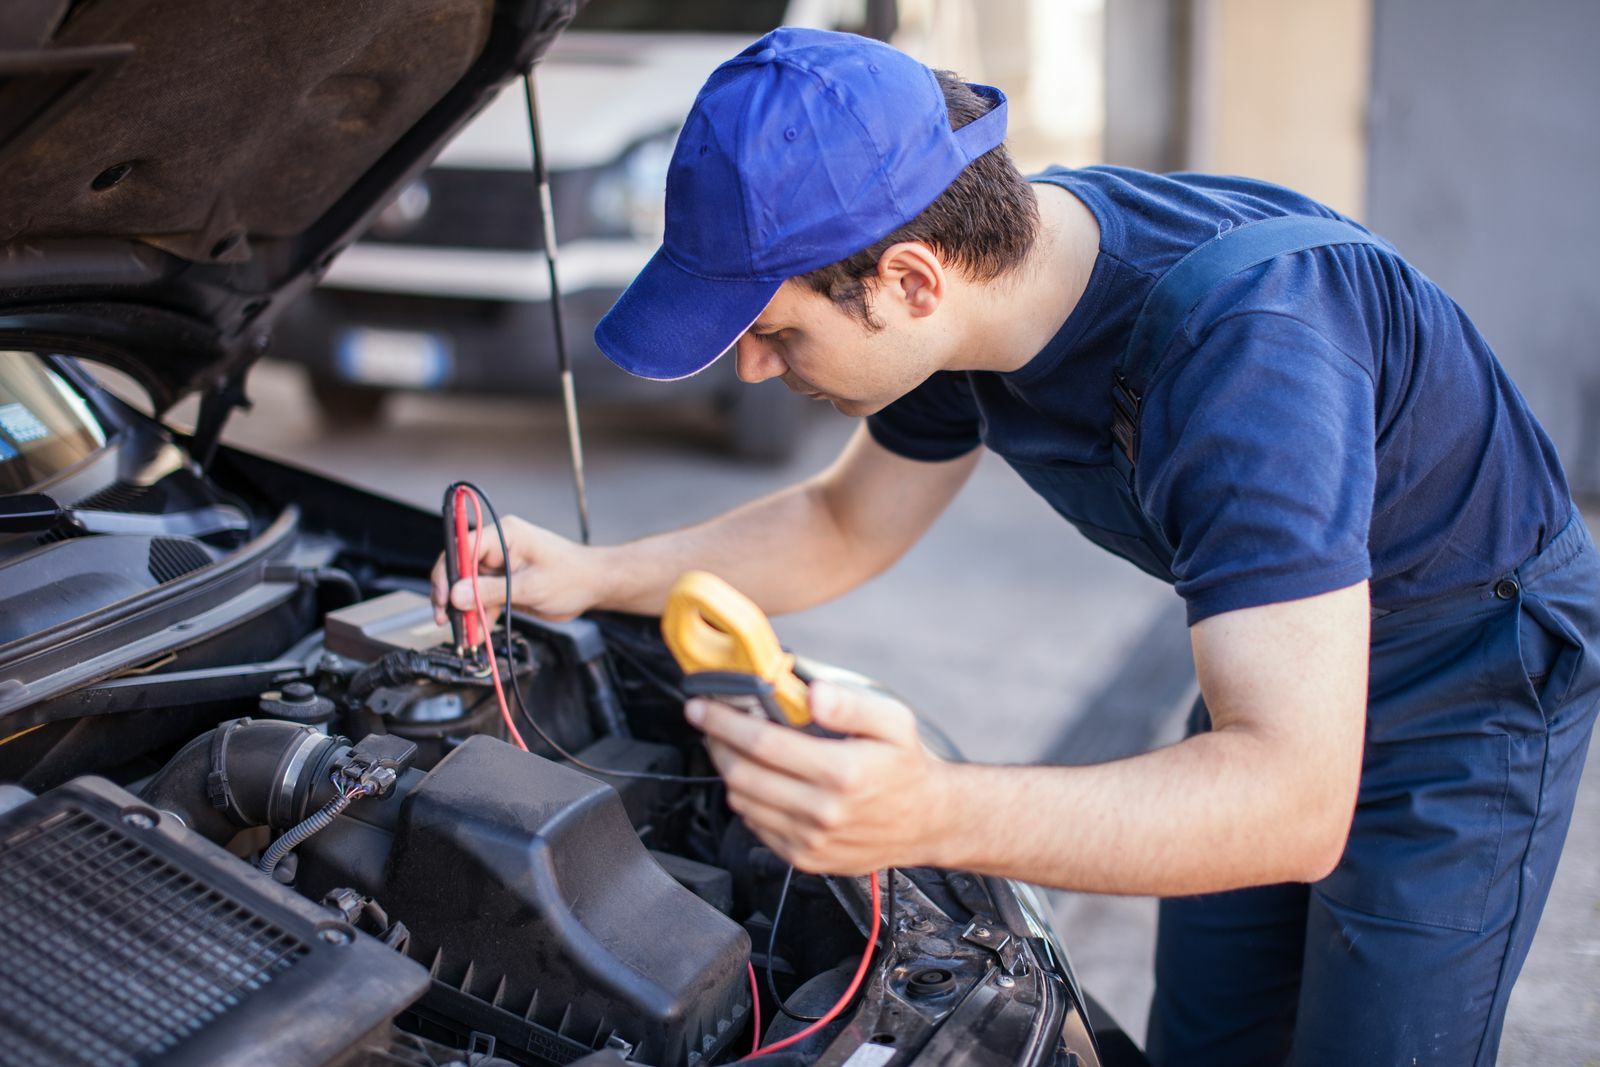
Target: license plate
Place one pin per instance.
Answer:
(404, 358)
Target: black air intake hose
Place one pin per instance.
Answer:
(246, 773)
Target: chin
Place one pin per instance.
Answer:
(856, 409)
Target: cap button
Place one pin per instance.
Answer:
(766, 55)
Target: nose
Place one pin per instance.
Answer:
(755, 361)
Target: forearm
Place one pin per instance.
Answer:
(1215, 812)
(1265, 796)
(786, 551)
(802, 545)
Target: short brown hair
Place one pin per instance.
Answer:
(984, 223)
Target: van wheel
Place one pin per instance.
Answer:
(347, 405)
(764, 422)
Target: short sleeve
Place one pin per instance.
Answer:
(1257, 460)
(938, 420)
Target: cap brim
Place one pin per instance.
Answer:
(670, 324)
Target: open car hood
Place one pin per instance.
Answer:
(174, 172)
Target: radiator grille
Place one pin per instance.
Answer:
(112, 955)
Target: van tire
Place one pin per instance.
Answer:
(348, 406)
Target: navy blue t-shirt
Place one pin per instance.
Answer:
(1328, 416)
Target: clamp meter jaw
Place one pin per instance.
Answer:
(729, 653)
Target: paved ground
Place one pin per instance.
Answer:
(1002, 626)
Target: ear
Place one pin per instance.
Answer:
(911, 276)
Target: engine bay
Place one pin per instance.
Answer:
(323, 766)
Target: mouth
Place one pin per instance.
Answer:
(809, 394)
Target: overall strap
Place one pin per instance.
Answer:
(1180, 290)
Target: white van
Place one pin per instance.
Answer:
(448, 290)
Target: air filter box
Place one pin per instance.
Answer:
(126, 940)
(526, 888)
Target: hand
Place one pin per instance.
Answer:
(550, 576)
(836, 806)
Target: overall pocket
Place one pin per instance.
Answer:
(1424, 845)
(1549, 652)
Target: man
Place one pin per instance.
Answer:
(1392, 607)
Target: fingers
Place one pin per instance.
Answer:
(779, 748)
(747, 779)
(492, 588)
(489, 554)
(862, 714)
(790, 817)
(439, 580)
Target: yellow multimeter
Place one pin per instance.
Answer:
(729, 652)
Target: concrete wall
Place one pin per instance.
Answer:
(1485, 160)
(1269, 88)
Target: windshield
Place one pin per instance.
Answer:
(45, 426)
(748, 18)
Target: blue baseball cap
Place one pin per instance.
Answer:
(800, 151)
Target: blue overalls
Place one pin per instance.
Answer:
(1480, 707)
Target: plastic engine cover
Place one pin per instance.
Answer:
(525, 886)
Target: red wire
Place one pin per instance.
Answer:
(755, 1006)
(849, 994)
(483, 617)
(467, 562)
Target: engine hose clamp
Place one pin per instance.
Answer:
(283, 813)
(219, 790)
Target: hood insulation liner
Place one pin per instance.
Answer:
(222, 120)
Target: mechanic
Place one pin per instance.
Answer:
(1392, 604)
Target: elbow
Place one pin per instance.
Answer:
(1322, 846)
(1320, 862)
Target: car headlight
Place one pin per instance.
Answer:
(629, 197)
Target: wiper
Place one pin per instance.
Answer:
(40, 512)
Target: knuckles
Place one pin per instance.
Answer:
(829, 815)
(848, 778)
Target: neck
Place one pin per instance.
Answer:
(1014, 316)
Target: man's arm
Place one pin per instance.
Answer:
(1266, 796)
(797, 548)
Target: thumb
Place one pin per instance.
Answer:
(848, 710)
(492, 589)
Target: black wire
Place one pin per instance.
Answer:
(647, 672)
(889, 914)
(772, 942)
(516, 690)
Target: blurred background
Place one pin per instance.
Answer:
(1463, 130)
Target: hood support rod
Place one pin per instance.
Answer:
(569, 397)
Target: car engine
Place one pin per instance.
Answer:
(263, 810)
(519, 889)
